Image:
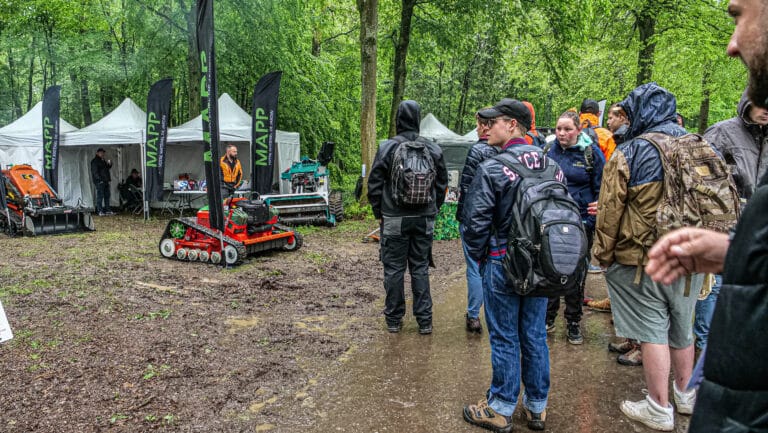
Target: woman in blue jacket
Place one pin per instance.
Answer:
(582, 162)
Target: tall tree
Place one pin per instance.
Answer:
(369, 24)
(400, 67)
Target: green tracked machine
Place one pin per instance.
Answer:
(311, 201)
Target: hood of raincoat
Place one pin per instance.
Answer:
(648, 107)
(408, 117)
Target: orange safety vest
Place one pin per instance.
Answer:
(230, 174)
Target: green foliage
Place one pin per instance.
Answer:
(463, 55)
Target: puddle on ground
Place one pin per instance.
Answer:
(408, 382)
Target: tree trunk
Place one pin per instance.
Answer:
(30, 77)
(85, 102)
(76, 90)
(705, 95)
(15, 97)
(465, 85)
(646, 25)
(400, 69)
(369, 23)
(193, 61)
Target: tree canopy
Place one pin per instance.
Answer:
(462, 55)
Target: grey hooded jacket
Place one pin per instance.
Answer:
(744, 146)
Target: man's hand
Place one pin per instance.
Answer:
(686, 251)
(592, 208)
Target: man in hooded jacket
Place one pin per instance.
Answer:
(743, 143)
(406, 232)
(657, 315)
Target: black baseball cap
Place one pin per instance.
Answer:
(101, 149)
(589, 106)
(509, 107)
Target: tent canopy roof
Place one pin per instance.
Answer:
(234, 125)
(123, 125)
(27, 130)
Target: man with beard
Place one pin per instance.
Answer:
(733, 395)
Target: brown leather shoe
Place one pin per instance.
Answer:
(482, 415)
(632, 358)
(473, 325)
(621, 347)
(535, 421)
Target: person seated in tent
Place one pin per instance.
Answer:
(130, 190)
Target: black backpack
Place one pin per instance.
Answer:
(413, 173)
(546, 243)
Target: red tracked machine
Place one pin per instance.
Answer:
(250, 227)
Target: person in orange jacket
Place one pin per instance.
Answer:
(588, 114)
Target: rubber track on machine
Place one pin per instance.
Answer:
(190, 222)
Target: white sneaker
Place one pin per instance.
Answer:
(684, 401)
(650, 413)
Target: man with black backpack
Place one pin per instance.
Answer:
(525, 230)
(406, 188)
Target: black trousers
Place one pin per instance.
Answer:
(573, 302)
(407, 242)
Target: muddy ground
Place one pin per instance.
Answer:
(110, 336)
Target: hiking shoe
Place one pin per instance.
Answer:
(594, 269)
(102, 214)
(603, 305)
(684, 401)
(482, 415)
(473, 325)
(550, 327)
(535, 420)
(109, 213)
(574, 333)
(425, 330)
(650, 413)
(623, 347)
(394, 328)
(633, 358)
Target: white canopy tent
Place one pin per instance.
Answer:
(455, 147)
(185, 150)
(120, 133)
(21, 142)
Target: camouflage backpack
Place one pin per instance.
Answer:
(698, 188)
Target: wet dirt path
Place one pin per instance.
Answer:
(412, 383)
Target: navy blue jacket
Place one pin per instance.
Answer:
(479, 152)
(583, 186)
(487, 211)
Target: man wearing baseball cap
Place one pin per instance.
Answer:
(509, 317)
(100, 175)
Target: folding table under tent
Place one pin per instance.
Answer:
(120, 133)
(185, 144)
(21, 142)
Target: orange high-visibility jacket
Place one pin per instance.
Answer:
(231, 174)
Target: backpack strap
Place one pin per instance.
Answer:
(589, 159)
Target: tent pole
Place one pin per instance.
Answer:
(145, 200)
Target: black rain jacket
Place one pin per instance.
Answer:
(479, 152)
(379, 185)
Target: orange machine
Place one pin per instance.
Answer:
(31, 207)
(250, 227)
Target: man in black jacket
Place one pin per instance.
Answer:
(101, 178)
(733, 396)
(479, 152)
(406, 231)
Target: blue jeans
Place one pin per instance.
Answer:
(515, 324)
(102, 196)
(474, 282)
(704, 311)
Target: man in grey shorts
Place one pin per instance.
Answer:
(660, 316)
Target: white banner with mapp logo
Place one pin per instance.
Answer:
(5, 328)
